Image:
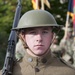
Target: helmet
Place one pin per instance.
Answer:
(36, 18)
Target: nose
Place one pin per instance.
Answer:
(39, 37)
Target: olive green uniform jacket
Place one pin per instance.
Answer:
(48, 65)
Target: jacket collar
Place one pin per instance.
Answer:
(38, 61)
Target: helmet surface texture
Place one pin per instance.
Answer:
(36, 18)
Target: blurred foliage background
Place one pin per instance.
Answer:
(7, 12)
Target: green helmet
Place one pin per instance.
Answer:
(36, 18)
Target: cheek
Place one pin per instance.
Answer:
(52, 37)
(29, 41)
(48, 40)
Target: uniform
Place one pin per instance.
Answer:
(73, 46)
(67, 46)
(68, 49)
(48, 65)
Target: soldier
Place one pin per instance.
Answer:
(73, 47)
(74, 52)
(37, 28)
(67, 44)
(55, 48)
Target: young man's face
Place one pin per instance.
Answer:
(38, 39)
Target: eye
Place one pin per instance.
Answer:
(32, 32)
(45, 31)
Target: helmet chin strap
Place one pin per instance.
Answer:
(38, 54)
(24, 44)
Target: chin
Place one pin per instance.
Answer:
(39, 53)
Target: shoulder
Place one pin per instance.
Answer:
(17, 68)
(67, 64)
(62, 67)
(57, 67)
(59, 62)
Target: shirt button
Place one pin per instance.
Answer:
(44, 60)
(37, 70)
(30, 59)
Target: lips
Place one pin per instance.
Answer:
(38, 45)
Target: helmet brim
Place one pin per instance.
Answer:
(44, 25)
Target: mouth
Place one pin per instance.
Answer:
(38, 46)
